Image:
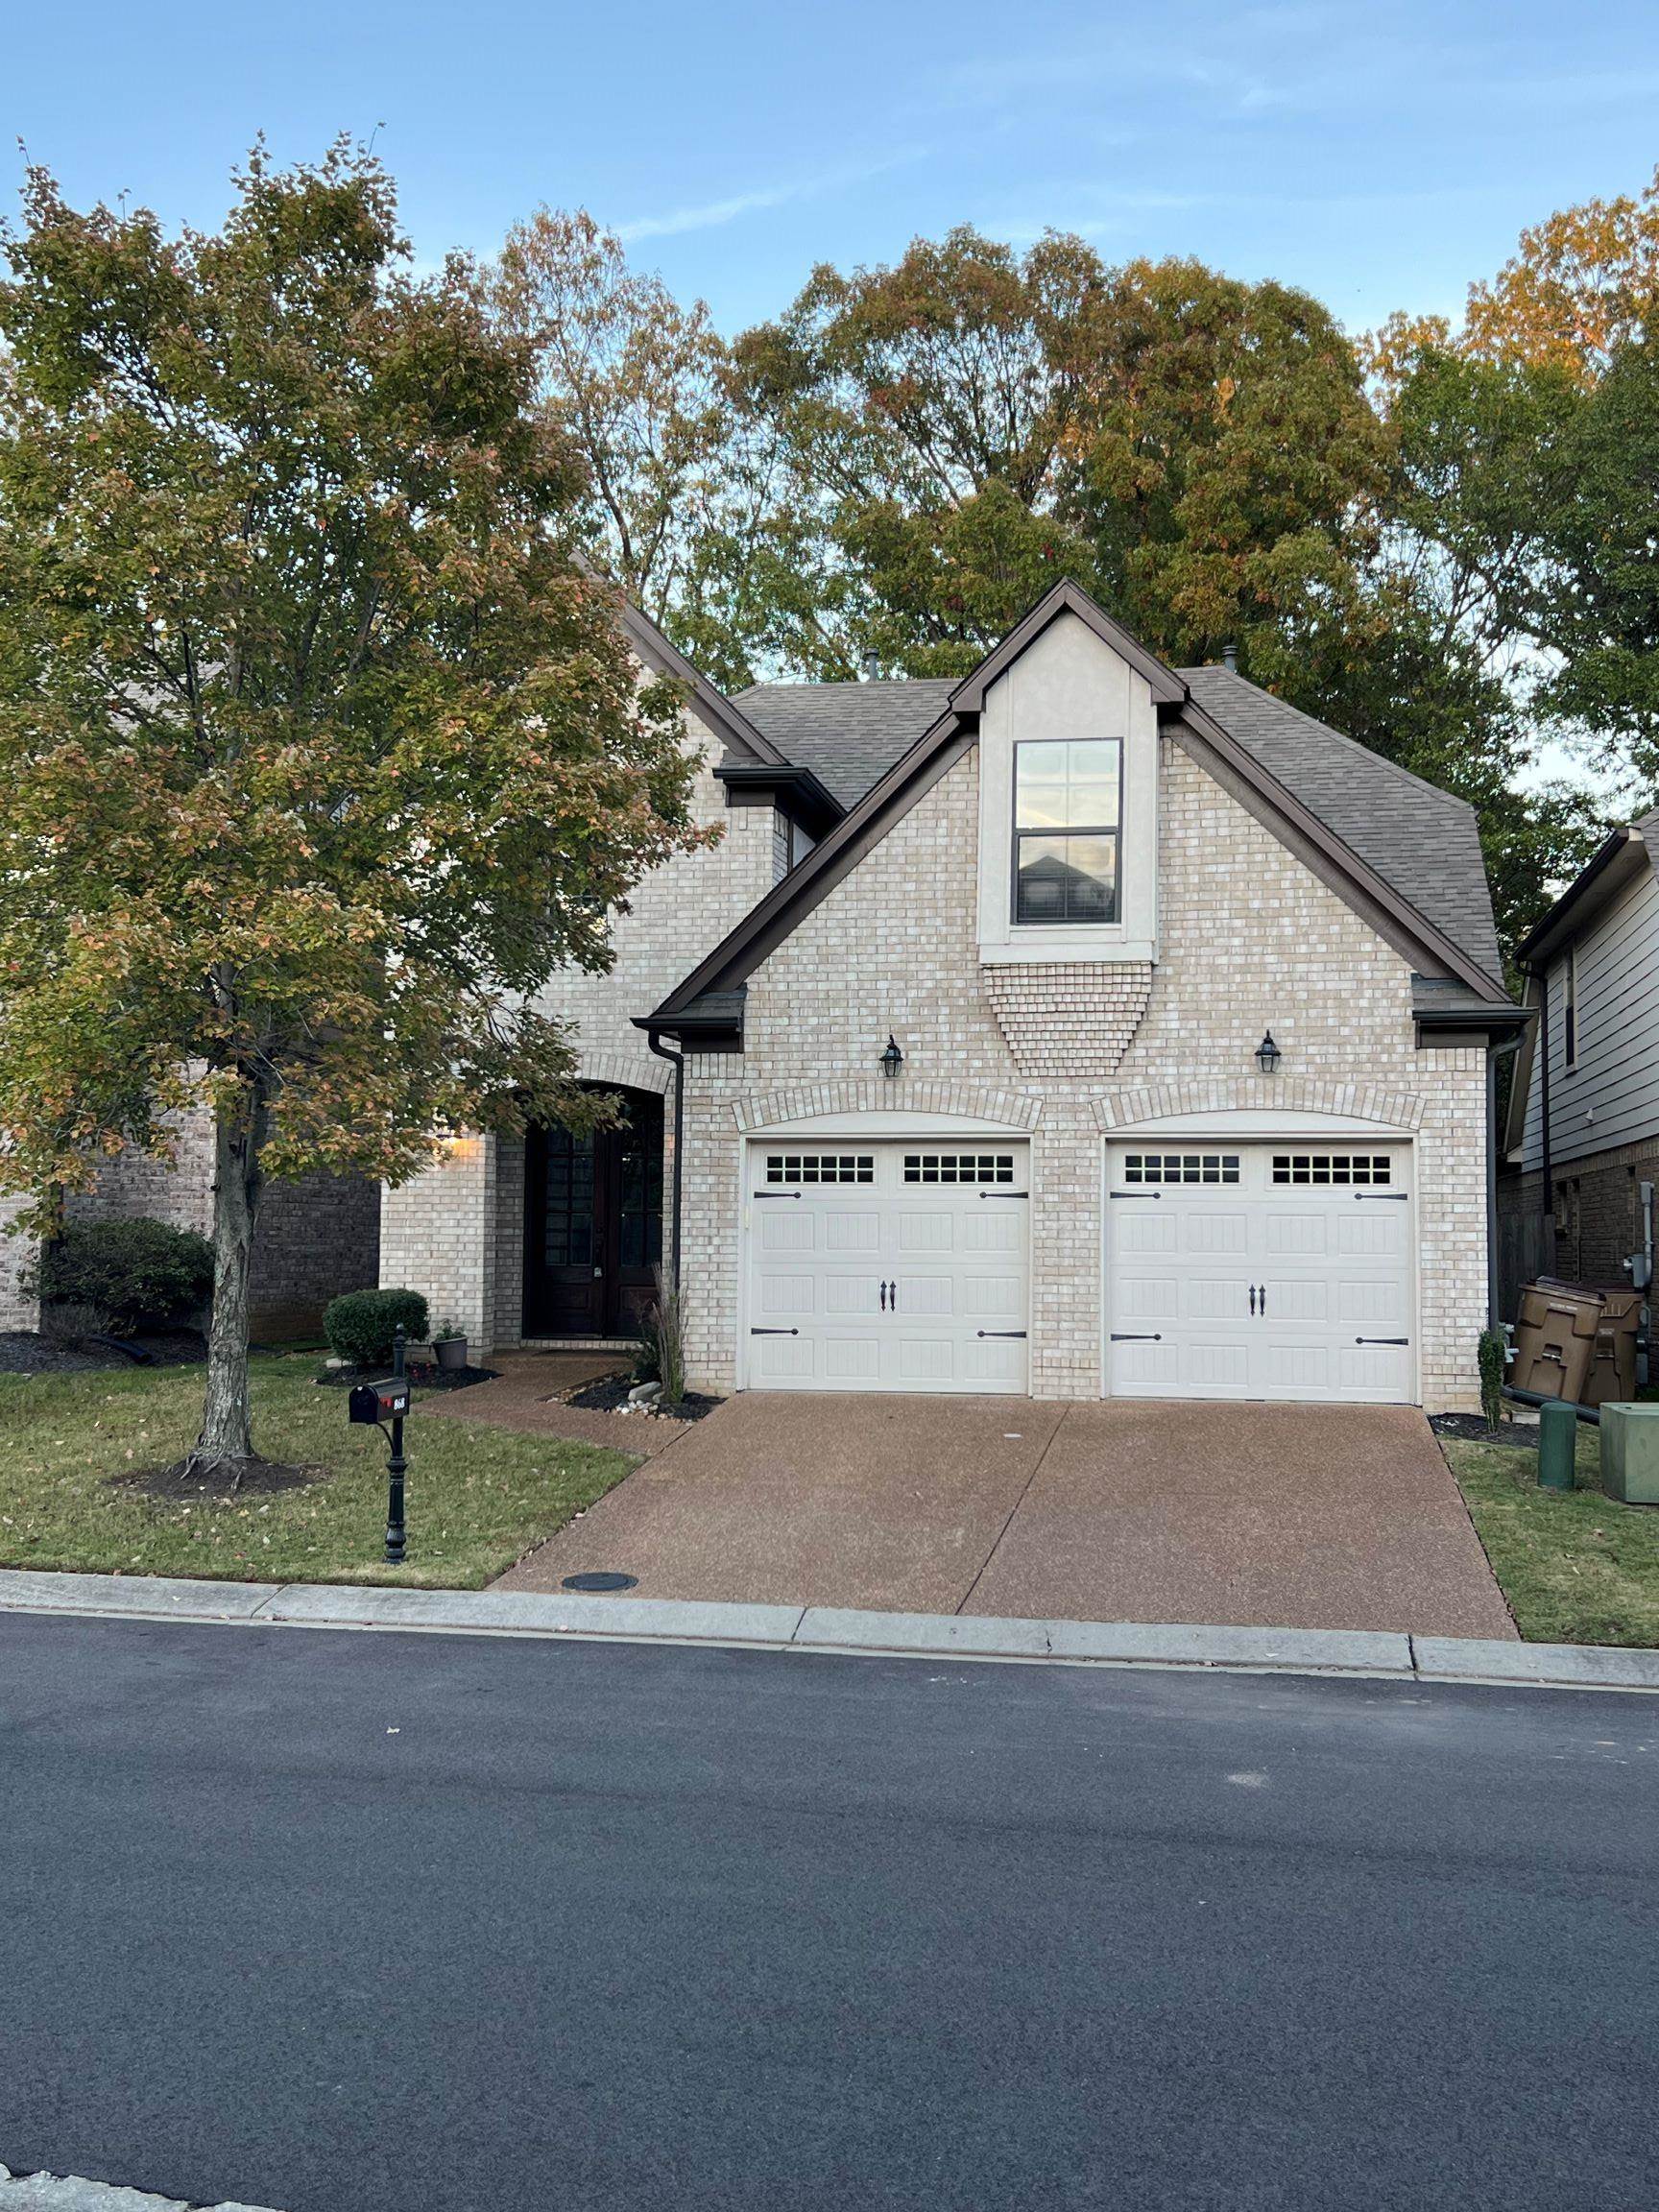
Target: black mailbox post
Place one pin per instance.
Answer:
(383, 1405)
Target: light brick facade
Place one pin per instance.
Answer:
(18, 1308)
(1249, 938)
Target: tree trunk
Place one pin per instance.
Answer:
(227, 1439)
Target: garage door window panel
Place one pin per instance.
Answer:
(1216, 1168)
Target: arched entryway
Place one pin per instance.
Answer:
(593, 1223)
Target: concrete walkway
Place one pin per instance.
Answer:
(1303, 1517)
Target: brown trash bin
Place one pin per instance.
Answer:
(1612, 1377)
(1556, 1339)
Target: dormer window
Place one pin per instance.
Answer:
(1068, 817)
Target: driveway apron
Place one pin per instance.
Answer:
(1272, 1516)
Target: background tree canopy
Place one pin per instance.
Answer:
(1437, 540)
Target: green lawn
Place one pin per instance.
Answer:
(1575, 1568)
(478, 1498)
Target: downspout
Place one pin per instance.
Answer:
(1491, 1188)
(675, 1060)
(1494, 1053)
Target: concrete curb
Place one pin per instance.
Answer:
(821, 1628)
(70, 2193)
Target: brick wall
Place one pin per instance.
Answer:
(318, 1236)
(18, 1308)
(1596, 1210)
(1249, 939)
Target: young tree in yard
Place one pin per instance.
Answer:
(320, 750)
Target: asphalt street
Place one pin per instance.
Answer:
(345, 1922)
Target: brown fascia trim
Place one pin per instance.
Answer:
(787, 904)
(727, 721)
(1337, 864)
(1475, 1027)
(795, 791)
(1614, 863)
(1069, 598)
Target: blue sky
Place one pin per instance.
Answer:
(1380, 155)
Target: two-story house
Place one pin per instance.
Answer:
(1082, 1027)
(1581, 1145)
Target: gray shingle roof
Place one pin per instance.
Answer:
(1421, 840)
(847, 734)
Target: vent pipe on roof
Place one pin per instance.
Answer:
(1230, 658)
(871, 667)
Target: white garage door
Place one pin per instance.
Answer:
(1271, 1271)
(887, 1266)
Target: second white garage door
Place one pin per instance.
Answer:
(887, 1266)
(1272, 1270)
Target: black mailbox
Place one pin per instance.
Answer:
(377, 1402)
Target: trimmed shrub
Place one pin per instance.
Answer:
(1493, 1352)
(127, 1276)
(359, 1325)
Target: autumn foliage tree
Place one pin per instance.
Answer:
(320, 750)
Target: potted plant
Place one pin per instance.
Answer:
(449, 1347)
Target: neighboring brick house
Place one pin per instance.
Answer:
(317, 1235)
(1581, 1146)
(974, 999)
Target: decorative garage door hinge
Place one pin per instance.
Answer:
(774, 1332)
(1129, 1337)
(1386, 1197)
(1000, 1333)
(776, 1193)
(1382, 1340)
(1133, 1193)
(1004, 1193)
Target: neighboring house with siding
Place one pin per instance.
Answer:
(1582, 1138)
(961, 1024)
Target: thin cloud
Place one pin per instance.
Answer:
(710, 214)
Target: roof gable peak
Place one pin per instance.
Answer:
(1169, 689)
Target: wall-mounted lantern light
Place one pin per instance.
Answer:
(892, 1059)
(1268, 1054)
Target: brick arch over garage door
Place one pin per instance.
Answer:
(1260, 1095)
(975, 1101)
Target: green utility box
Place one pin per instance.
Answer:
(1630, 1454)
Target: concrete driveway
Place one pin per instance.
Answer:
(1277, 1516)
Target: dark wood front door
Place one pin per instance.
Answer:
(593, 1225)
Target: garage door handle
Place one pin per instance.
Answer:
(774, 1332)
(1252, 1297)
(1000, 1333)
(1128, 1336)
(1382, 1340)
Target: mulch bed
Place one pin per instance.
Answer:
(424, 1374)
(244, 1479)
(27, 1352)
(1472, 1428)
(610, 1395)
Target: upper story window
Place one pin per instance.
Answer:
(1067, 809)
(1570, 1010)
